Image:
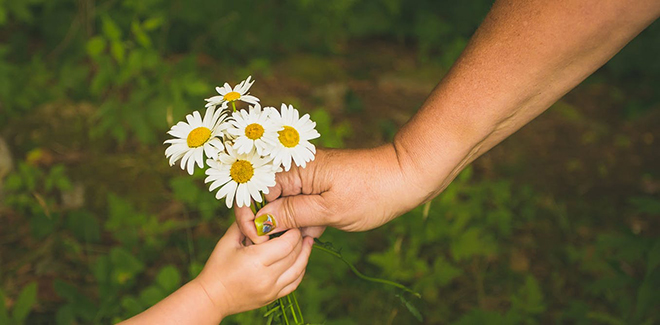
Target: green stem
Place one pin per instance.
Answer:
(362, 276)
(233, 104)
(295, 300)
(269, 312)
(293, 310)
(286, 318)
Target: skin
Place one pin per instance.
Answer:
(236, 278)
(522, 59)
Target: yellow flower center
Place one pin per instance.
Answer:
(241, 171)
(254, 131)
(198, 137)
(232, 96)
(289, 137)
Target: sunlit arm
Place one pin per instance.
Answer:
(522, 59)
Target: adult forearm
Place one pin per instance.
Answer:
(522, 59)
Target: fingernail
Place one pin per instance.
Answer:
(265, 224)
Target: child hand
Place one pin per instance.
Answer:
(238, 278)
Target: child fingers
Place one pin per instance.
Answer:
(245, 221)
(232, 235)
(297, 268)
(279, 248)
(291, 286)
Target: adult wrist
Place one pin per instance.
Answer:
(431, 155)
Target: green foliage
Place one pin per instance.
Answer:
(88, 90)
(22, 306)
(334, 136)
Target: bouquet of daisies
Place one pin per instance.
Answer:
(241, 149)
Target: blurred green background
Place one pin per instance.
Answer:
(559, 224)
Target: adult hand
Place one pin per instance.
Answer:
(352, 190)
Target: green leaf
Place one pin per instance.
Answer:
(195, 269)
(125, 265)
(132, 306)
(117, 50)
(101, 269)
(81, 305)
(84, 226)
(472, 243)
(169, 278)
(24, 303)
(411, 308)
(42, 225)
(110, 29)
(3, 18)
(648, 295)
(529, 299)
(152, 295)
(445, 272)
(140, 35)
(95, 46)
(152, 23)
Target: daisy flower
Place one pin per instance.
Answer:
(240, 177)
(253, 129)
(293, 137)
(196, 138)
(229, 94)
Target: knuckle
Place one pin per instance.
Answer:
(289, 259)
(290, 213)
(290, 246)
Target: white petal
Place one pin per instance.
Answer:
(176, 157)
(199, 157)
(197, 118)
(286, 161)
(219, 182)
(250, 99)
(254, 191)
(185, 159)
(242, 195)
(229, 200)
(190, 165)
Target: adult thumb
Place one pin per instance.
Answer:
(292, 212)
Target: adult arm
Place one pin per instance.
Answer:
(522, 59)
